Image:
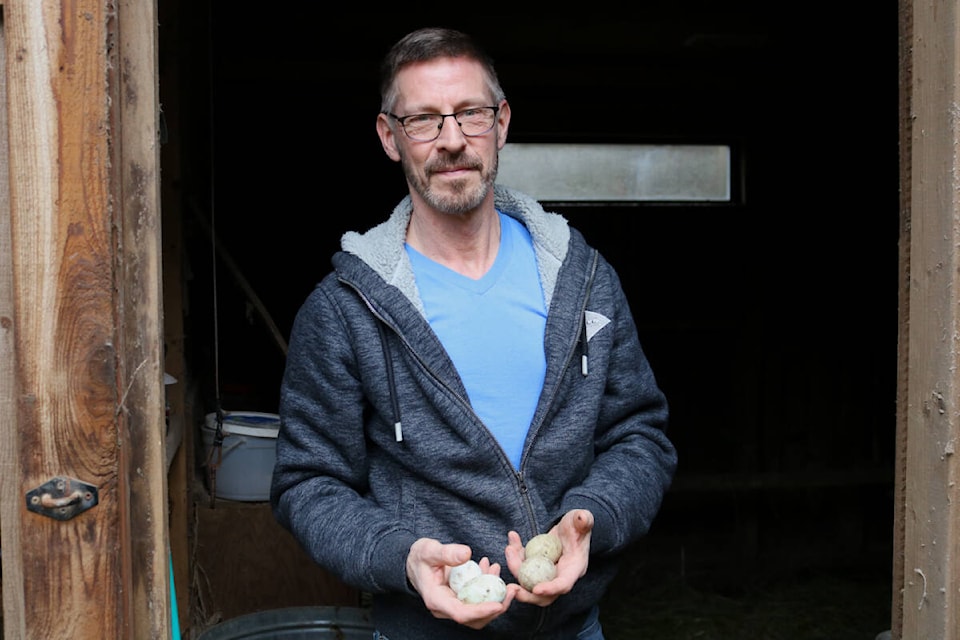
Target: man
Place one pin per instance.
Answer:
(468, 376)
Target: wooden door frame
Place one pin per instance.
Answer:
(926, 563)
(81, 380)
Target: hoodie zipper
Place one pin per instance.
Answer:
(581, 341)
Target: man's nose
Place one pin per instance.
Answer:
(451, 134)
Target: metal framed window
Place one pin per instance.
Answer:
(618, 173)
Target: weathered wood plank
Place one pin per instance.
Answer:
(134, 93)
(85, 382)
(62, 265)
(929, 431)
(903, 326)
(13, 622)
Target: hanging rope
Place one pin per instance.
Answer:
(216, 450)
(215, 455)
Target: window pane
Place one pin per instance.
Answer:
(617, 172)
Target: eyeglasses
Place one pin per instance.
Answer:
(425, 127)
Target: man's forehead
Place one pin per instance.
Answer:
(441, 75)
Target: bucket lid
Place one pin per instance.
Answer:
(247, 423)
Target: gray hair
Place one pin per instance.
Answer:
(427, 44)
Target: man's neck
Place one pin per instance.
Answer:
(466, 243)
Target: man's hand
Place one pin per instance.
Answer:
(574, 531)
(428, 568)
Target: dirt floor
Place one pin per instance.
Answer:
(844, 606)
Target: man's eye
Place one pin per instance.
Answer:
(421, 118)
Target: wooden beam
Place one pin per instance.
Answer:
(903, 327)
(64, 335)
(14, 625)
(928, 434)
(135, 185)
(81, 385)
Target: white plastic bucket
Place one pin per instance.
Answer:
(244, 464)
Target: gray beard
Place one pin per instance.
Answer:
(461, 200)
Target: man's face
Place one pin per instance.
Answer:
(454, 173)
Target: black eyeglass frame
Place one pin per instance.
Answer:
(443, 118)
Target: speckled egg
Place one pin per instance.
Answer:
(546, 545)
(534, 570)
(484, 588)
(461, 574)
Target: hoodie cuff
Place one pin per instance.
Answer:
(388, 562)
(604, 536)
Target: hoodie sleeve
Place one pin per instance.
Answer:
(635, 461)
(319, 479)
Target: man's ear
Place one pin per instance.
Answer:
(503, 123)
(387, 137)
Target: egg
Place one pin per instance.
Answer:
(546, 545)
(484, 588)
(534, 570)
(461, 574)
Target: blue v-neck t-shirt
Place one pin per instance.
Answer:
(492, 328)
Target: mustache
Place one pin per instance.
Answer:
(454, 162)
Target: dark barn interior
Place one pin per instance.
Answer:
(771, 321)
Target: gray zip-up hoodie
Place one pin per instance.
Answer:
(379, 445)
